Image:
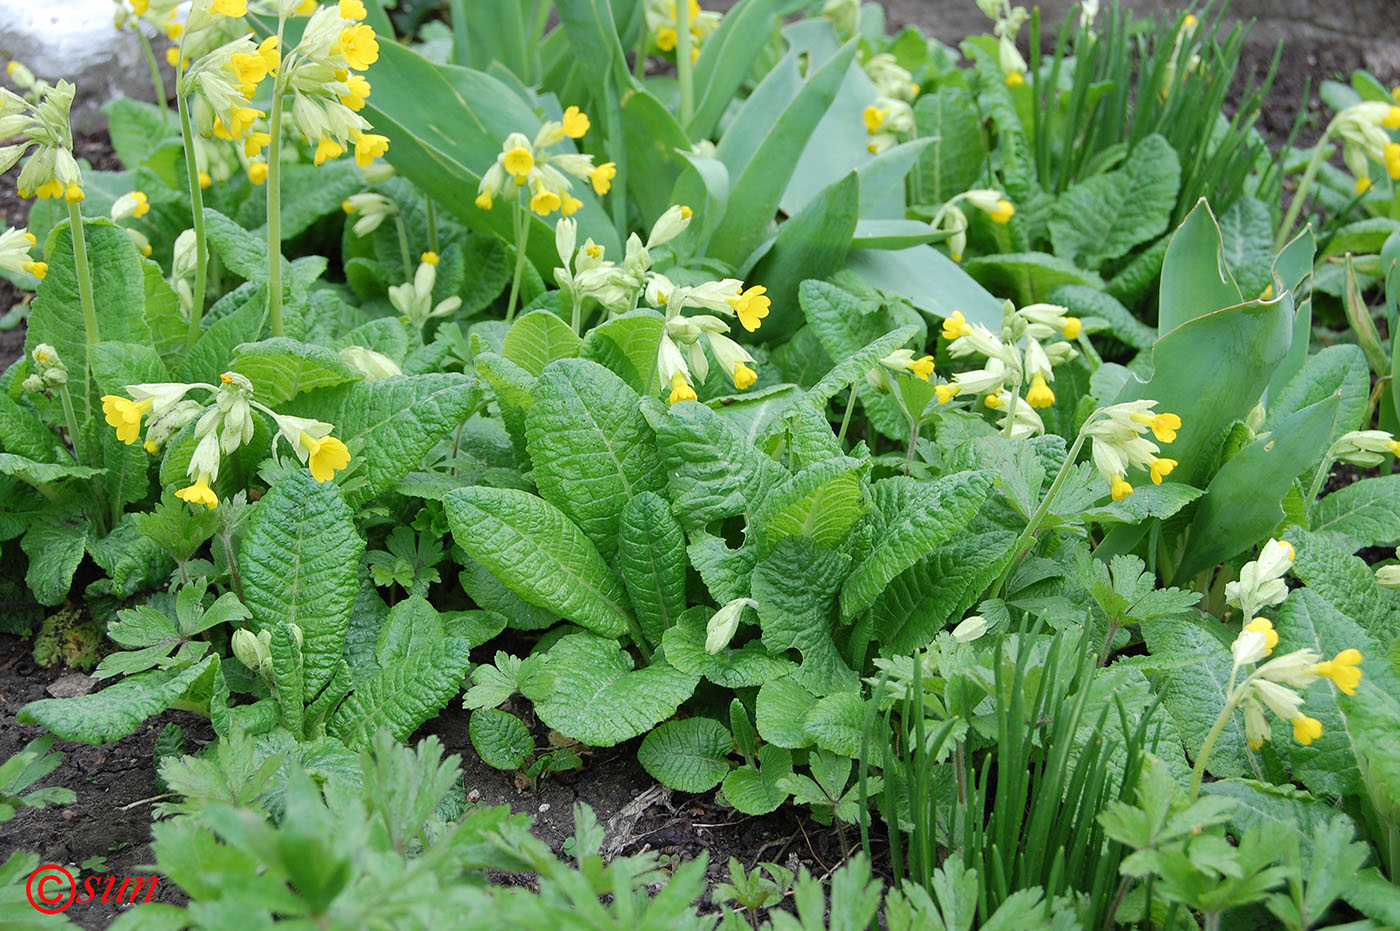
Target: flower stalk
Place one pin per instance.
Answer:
(80, 266)
(201, 248)
(274, 197)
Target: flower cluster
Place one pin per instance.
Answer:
(1041, 328)
(1278, 683)
(1120, 441)
(414, 299)
(524, 164)
(951, 218)
(327, 93)
(159, 14)
(51, 170)
(663, 21)
(1007, 22)
(586, 273)
(14, 253)
(891, 116)
(49, 374)
(1364, 129)
(221, 429)
(1261, 583)
(1365, 448)
(372, 209)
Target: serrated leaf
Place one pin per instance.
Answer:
(539, 338)
(500, 738)
(781, 710)
(118, 710)
(538, 554)
(712, 470)
(288, 675)
(211, 355)
(724, 571)
(938, 511)
(754, 790)
(394, 422)
(298, 561)
(953, 161)
(54, 549)
(837, 722)
(1105, 216)
(745, 667)
(821, 503)
(1366, 513)
(591, 447)
(689, 755)
(651, 559)
(42, 472)
(854, 366)
(281, 368)
(1334, 369)
(795, 587)
(600, 700)
(404, 695)
(938, 590)
(488, 592)
(627, 345)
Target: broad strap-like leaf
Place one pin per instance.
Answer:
(822, 503)
(404, 694)
(108, 715)
(539, 554)
(591, 447)
(930, 518)
(299, 563)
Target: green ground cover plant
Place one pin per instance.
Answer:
(933, 441)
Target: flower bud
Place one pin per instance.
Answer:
(722, 626)
(375, 365)
(249, 650)
(970, 629)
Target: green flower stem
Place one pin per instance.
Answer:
(683, 66)
(1011, 410)
(1232, 701)
(156, 82)
(1304, 189)
(80, 266)
(1027, 538)
(403, 247)
(274, 198)
(1320, 479)
(201, 247)
(846, 417)
(432, 225)
(72, 421)
(522, 239)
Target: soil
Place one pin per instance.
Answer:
(116, 786)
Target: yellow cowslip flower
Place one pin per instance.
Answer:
(352, 9)
(125, 415)
(248, 69)
(229, 8)
(744, 376)
(359, 91)
(922, 367)
(874, 119)
(545, 202)
(1015, 79)
(1392, 118)
(518, 163)
(1120, 489)
(1003, 212)
(205, 181)
(270, 53)
(575, 123)
(199, 492)
(947, 392)
(602, 177)
(1072, 328)
(1040, 394)
(257, 172)
(1161, 468)
(429, 257)
(1306, 729)
(571, 205)
(306, 9)
(1163, 426)
(956, 326)
(1363, 185)
(73, 194)
(1262, 625)
(1341, 669)
(37, 269)
(359, 46)
(174, 31)
(326, 149)
(483, 200)
(368, 147)
(680, 389)
(751, 306)
(324, 456)
(255, 142)
(666, 38)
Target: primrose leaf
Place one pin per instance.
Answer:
(690, 755)
(281, 368)
(781, 711)
(118, 710)
(1105, 216)
(390, 424)
(651, 559)
(500, 738)
(54, 549)
(938, 590)
(591, 447)
(538, 554)
(795, 588)
(600, 700)
(953, 161)
(539, 338)
(404, 694)
(932, 516)
(1366, 513)
(822, 503)
(747, 666)
(754, 790)
(299, 562)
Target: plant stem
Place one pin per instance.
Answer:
(846, 418)
(71, 419)
(1027, 537)
(1123, 888)
(1199, 770)
(274, 199)
(80, 266)
(201, 247)
(1304, 189)
(156, 82)
(403, 247)
(522, 239)
(683, 65)
(1319, 479)
(1011, 410)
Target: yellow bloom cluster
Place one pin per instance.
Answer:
(328, 93)
(14, 253)
(663, 21)
(523, 164)
(1277, 684)
(222, 428)
(891, 116)
(1365, 131)
(160, 14)
(1119, 435)
(951, 218)
(51, 170)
